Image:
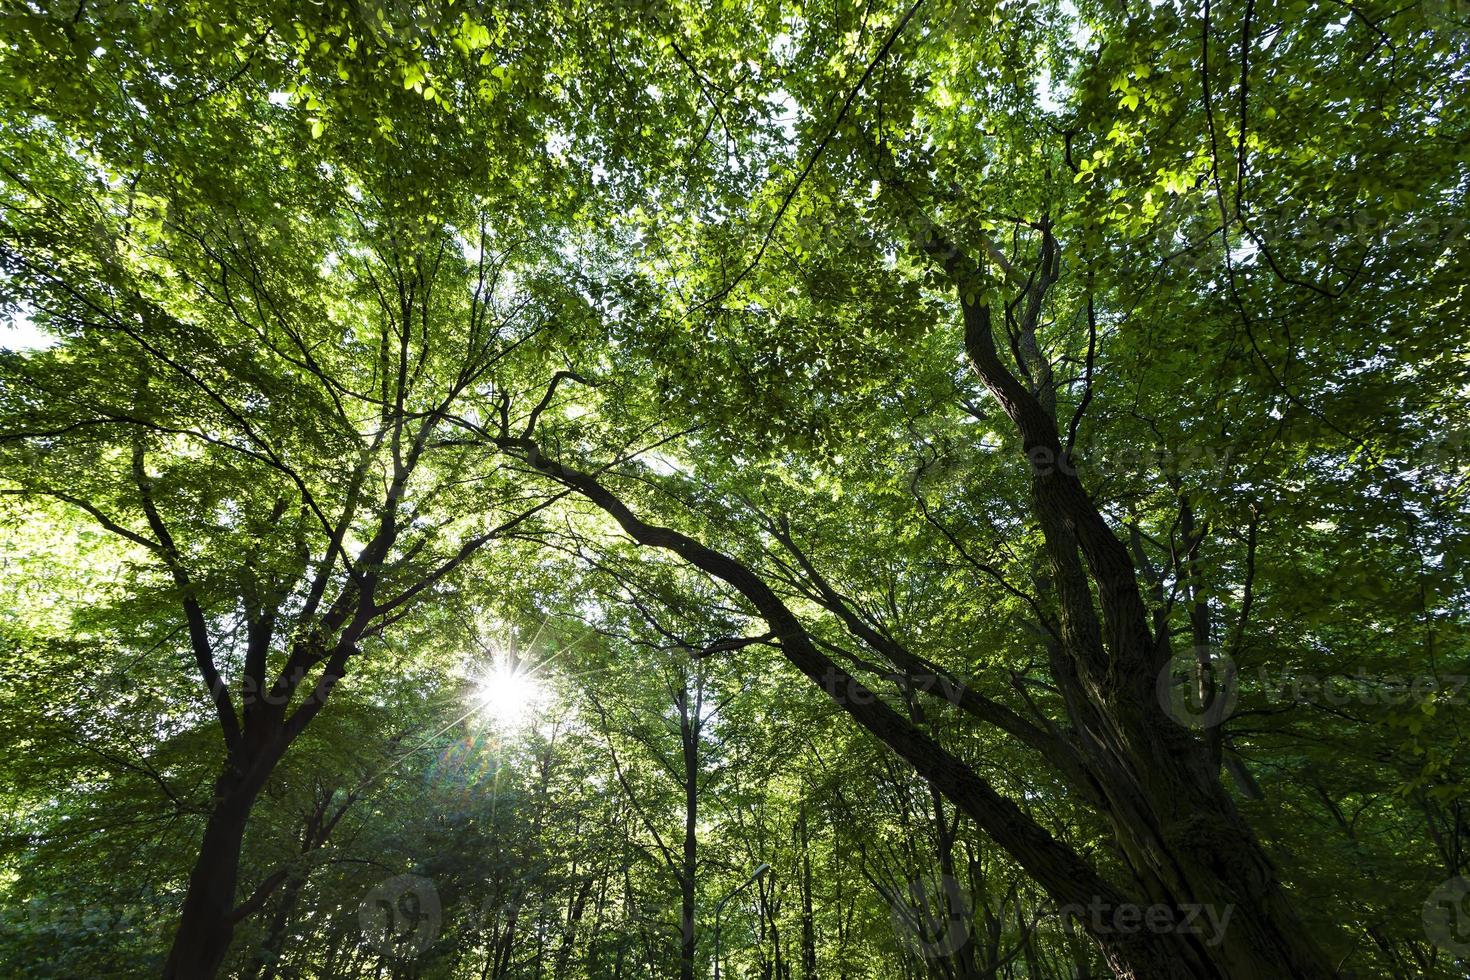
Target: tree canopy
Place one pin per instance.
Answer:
(582, 490)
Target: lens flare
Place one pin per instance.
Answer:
(507, 694)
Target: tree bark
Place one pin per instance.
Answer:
(689, 725)
(1187, 843)
(207, 919)
(808, 918)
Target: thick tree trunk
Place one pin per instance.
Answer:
(1178, 827)
(1185, 840)
(209, 913)
(207, 923)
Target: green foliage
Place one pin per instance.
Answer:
(323, 287)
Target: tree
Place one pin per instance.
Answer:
(1047, 386)
(257, 391)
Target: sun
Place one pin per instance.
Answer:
(506, 693)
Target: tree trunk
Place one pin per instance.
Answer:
(574, 918)
(1186, 842)
(1177, 825)
(266, 962)
(808, 919)
(207, 921)
(689, 725)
